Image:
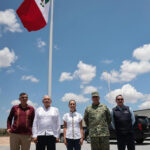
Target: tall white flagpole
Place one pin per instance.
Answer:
(50, 51)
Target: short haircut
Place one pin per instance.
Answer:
(47, 96)
(118, 96)
(23, 93)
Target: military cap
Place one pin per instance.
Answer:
(95, 94)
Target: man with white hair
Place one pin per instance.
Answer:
(46, 126)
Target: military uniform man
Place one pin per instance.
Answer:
(97, 119)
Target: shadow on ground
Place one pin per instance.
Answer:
(145, 143)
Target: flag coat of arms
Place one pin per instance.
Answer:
(34, 14)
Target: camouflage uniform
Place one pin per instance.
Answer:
(97, 118)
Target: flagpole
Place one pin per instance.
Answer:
(50, 51)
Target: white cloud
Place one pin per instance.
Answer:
(129, 70)
(9, 71)
(112, 76)
(8, 21)
(40, 44)
(85, 73)
(142, 53)
(135, 67)
(7, 57)
(145, 105)
(81, 86)
(30, 78)
(77, 98)
(100, 87)
(130, 94)
(21, 68)
(107, 61)
(65, 76)
(89, 89)
(29, 102)
(56, 47)
(147, 97)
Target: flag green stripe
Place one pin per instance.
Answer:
(46, 1)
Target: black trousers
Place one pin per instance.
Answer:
(124, 140)
(73, 144)
(46, 141)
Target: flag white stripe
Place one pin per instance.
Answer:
(44, 10)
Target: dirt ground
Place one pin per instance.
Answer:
(4, 141)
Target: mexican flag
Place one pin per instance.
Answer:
(34, 14)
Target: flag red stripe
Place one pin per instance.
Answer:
(31, 16)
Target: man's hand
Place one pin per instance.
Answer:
(57, 140)
(81, 141)
(65, 141)
(8, 131)
(35, 140)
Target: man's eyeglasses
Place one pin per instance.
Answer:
(120, 99)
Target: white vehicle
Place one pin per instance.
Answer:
(61, 137)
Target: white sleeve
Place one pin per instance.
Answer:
(58, 124)
(35, 125)
(65, 117)
(112, 120)
(80, 117)
(132, 116)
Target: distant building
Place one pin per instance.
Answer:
(143, 112)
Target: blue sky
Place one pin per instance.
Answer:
(97, 44)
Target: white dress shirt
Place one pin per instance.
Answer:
(46, 122)
(73, 125)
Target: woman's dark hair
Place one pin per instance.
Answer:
(73, 101)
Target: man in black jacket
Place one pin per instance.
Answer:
(123, 120)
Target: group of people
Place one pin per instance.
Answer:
(42, 126)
